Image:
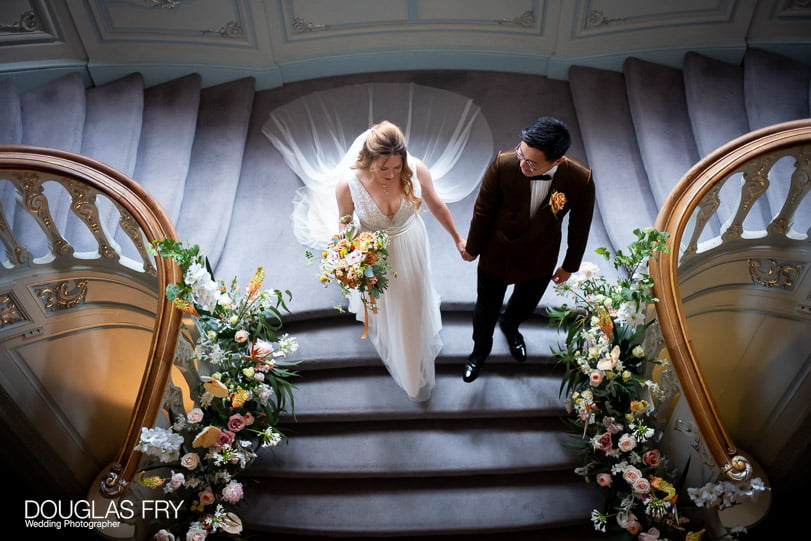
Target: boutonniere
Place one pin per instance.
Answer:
(556, 202)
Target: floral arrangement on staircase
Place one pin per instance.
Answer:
(236, 408)
(608, 390)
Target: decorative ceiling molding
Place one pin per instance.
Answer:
(599, 16)
(300, 26)
(27, 22)
(526, 19)
(230, 30)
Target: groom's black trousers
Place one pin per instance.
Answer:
(489, 298)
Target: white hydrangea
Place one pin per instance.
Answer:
(160, 442)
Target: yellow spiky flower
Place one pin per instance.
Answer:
(256, 282)
(239, 397)
(605, 322)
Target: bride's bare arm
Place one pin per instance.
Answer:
(438, 208)
(345, 205)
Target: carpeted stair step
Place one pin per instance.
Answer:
(112, 129)
(167, 136)
(11, 132)
(11, 128)
(369, 393)
(447, 505)
(776, 90)
(419, 448)
(717, 108)
(620, 180)
(53, 115)
(661, 123)
(216, 163)
(319, 337)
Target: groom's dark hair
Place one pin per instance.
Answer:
(549, 135)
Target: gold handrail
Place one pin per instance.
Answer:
(673, 218)
(155, 225)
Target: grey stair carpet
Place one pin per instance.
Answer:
(53, 115)
(717, 108)
(11, 128)
(449, 505)
(619, 174)
(661, 123)
(113, 118)
(216, 162)
(776, 88)
(715, 101)
(167, 136)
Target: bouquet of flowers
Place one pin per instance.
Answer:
(605, 387)
(236, 407)
(357, 261)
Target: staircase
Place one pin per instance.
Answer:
(478, 461)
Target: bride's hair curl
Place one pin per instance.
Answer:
(386, 139)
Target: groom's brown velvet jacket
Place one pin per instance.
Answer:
(512, 247)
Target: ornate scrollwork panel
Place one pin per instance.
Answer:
(10, 311)
(62, 295)
(27, 22)
(301, 26)
(771, 273)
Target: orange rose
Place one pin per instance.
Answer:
(557, 201)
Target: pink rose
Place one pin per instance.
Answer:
(651, 458)
(626, 443)
(232, 492)
(195, 415)
(249, 419)
(631, 474)
(604, 443)
(259, 376)
(595, 378)
(241, 336)
(641, 486)
(190, 461)
(206, 496)
(196, 534)
(163, 535)
(650, 535)
(236, 422)
(634, 528)
(226, 437)
(604, 479)
(625, 519)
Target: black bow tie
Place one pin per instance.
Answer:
(541, 177)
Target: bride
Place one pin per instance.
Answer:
(382, 192)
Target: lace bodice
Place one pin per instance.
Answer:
(372, 218)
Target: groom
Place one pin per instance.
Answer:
(516, 229)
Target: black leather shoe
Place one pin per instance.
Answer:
(518, 349)
(473, 367)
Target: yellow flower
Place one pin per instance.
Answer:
(638, 406)
(557, 201)
(606, 324)
(239, 398)
(150, 482)
(694, 536)
(185, 306)
(256, 282)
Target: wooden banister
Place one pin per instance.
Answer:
(155, 225)
(703, 179)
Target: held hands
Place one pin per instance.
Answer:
(560, 276)
(461, 246)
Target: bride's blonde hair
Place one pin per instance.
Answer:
(386, 139)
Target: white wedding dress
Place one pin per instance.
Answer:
(405, 329)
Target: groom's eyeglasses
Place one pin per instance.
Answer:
(532, 166)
